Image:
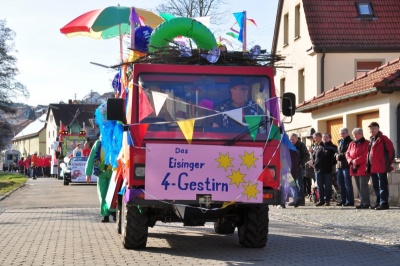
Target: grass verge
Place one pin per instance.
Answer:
(10, 181)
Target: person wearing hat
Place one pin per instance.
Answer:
(379, 163)
(77, 151)
(309, 173)
(303, 156)
(239, 98)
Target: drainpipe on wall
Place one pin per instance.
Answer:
(323, 71)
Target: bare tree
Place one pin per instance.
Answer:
(9, 87)
(195, 8)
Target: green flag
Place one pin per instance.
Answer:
(253, 122)
(232, 34)
(274, 133)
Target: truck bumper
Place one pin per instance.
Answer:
(136, 197)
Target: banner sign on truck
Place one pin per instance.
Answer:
(181, 172)
(78, 165)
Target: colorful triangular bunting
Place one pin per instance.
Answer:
(187, 127)
(254, 122)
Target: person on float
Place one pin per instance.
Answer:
(239, 98)
(77, 151)
(86, 149)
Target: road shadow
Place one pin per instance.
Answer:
(285, 245)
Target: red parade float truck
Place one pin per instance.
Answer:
(197, 152)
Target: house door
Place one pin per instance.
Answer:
(333, 126)
(363, 120)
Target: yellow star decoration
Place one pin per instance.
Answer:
(224, 161)
(236, 177)
(248, 159)
(251, 190)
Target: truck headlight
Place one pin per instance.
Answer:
(139, 171)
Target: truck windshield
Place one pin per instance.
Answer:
(221, 106)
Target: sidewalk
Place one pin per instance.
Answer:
(379, 226)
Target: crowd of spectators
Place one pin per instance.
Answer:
(324, 162)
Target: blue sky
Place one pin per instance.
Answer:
(55, 68)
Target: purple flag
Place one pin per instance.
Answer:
(134, 18)
(272, 106)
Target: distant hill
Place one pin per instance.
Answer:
(26, 114)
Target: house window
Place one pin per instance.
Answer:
(366, 66)
(297, 22)
(286, 30)
(51, 118)
(301, 79)
(282, 87)
(364, 9)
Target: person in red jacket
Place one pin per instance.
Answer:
(379, 163)
(356, 156)
(21, 165)
(27, 164)
(46, 165)
(40, 166)
(86, 149)
(34, 165)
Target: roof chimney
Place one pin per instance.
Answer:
(69, 101)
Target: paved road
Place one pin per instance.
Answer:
(46, 223)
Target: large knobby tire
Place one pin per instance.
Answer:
(224, 227)
(135, 226)
(254, 231)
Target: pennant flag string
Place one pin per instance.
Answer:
(197, 106)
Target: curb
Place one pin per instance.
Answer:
(12, 191)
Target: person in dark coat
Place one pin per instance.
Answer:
(379, 163)
(302, 157)
(343, 170)
(323, 159)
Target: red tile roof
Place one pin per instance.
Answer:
(383, 78)
(335, 25)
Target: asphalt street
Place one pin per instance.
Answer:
(47, 223)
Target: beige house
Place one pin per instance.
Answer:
(80, 115)
(327, 43)
(32, 138)
(345, 67)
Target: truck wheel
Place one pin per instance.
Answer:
(254, 231)
(134, 227)
(224, 227)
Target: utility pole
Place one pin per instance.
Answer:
(244, 31)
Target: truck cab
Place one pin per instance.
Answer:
(195, 154)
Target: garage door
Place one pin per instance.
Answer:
(363, 120)
(333, 126)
